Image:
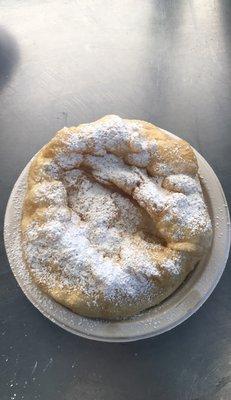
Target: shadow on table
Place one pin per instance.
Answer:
(9, 56)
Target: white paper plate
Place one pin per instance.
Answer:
(174, 310)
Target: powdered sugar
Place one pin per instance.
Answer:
(98, 248)
(182, 183)
(50, 193)
(184, 213)
(150, 196)
(69, 160)
(173, 267)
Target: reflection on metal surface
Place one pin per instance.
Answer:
(9, 56)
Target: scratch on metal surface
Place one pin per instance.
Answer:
(222, 383)
(48, 364)
(34, 367)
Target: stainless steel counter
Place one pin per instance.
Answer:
(66, 62)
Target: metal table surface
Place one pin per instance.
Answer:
(66, 62)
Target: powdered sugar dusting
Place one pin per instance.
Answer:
(186, 213)
(182, 183)
(95, 247)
